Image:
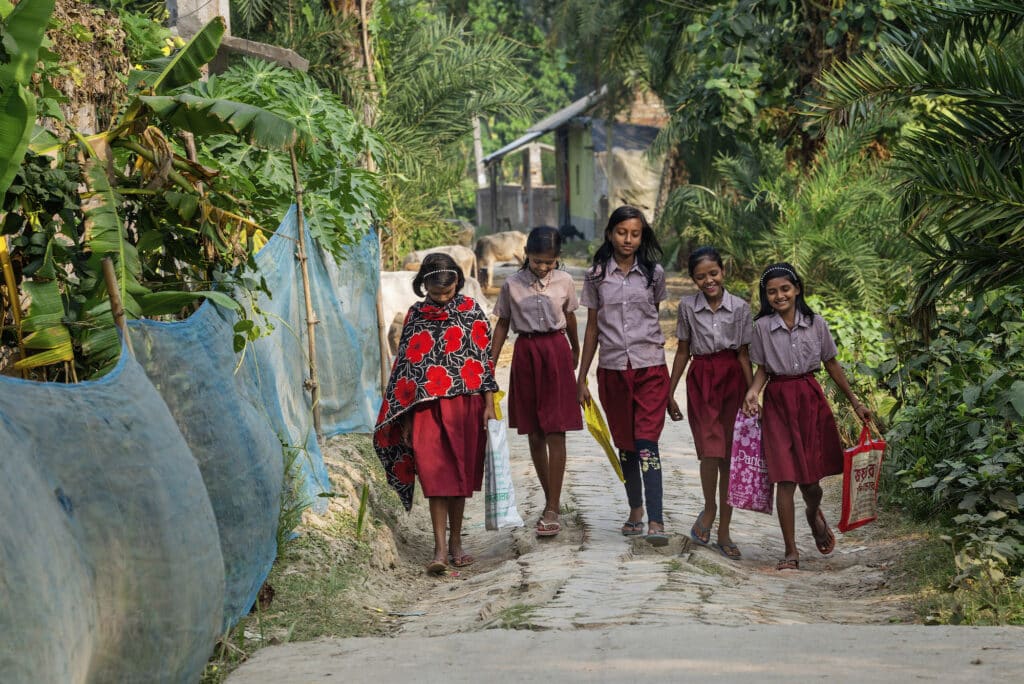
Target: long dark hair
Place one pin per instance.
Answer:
(542, 240)
(703, 254)
(647, 255)
(781, 270)
(440, 270)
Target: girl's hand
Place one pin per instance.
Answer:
(750, 406)
(583, 393)
(489, 413)
(862, 411)
(575, 357)
(673, 410)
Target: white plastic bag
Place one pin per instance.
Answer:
(499, 494)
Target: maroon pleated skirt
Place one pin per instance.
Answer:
(715, 387)
(448, 443)
(799, 435)
(542, 385)
(634, 402)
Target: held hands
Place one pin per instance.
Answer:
(750, 406)
(673, 410)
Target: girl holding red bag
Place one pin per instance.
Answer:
(800, 439)
(714, 331)
(433, 421)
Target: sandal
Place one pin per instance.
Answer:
(825, 543)
(436, 567)
(461, 561)
(698, 532)
(546, 528)
(632, 529)
(657, 537)
(788, 564)
(729, 550)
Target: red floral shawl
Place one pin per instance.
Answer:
(444, 352)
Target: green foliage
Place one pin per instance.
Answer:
(957, 441)
(340, 197)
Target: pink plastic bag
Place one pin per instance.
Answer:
(749, 488)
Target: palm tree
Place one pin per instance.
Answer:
(962, 166)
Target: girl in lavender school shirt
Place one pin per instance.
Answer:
(801, 442)
(713, 329)
(539, 302)
(622, 291)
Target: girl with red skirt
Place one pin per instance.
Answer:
(622, 292)
(539, 303)
(713, 330)
(433, 419)
(799, 435)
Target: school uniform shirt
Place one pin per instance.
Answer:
(710, 331)
(792, 352)
(627, 316)
(533, 305)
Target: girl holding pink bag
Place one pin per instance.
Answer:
(713, 330)
(800, 439)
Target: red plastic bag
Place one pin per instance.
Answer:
(749, 487)
(862, 468)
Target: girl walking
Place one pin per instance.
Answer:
(801, 442)
(714, 330)
(622, 291)
(434, 417)
(539, 303)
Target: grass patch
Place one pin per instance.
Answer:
(518, 616)
(673, 565)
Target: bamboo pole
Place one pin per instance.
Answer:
(313, 382)
(12, 296)
(116, 306)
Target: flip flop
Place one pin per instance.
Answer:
(548, 528)
(461, 561)
(632, 529)
(729, 550)
(657, 538)
(788, 564)
(699, 533)
(436, 567)
(824, 547)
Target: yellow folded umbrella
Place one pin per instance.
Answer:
(599, 430)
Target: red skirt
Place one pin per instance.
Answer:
(801, 442)
(634, 402)
(715, 387)
(448, 443)
(542, 385)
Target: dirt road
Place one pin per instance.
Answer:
(592, 605)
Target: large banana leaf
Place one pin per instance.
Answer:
(23, 34)
(204, 116)
(45, 323)
(172, 301)
(185, 65)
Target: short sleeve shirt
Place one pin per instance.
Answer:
(627, 316)
(792, 352)
(707, 331)
(533, 306)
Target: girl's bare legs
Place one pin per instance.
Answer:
(709, 486)
(456, 508)
(539, 454)
(723, 496)
(784, 492)
(439, 514)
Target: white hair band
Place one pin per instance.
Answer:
(779, 268)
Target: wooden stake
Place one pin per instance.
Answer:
(116, 307)
(12, 296)
(313, 382)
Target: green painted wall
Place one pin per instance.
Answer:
(581, 179)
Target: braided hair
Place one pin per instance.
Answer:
(781, 270)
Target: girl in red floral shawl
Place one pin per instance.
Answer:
(433, 421)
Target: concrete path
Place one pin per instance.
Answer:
(592, 605)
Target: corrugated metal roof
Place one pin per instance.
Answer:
(550, 123)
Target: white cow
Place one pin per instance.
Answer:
(397, 296)
(463, 256)
(509, 245)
